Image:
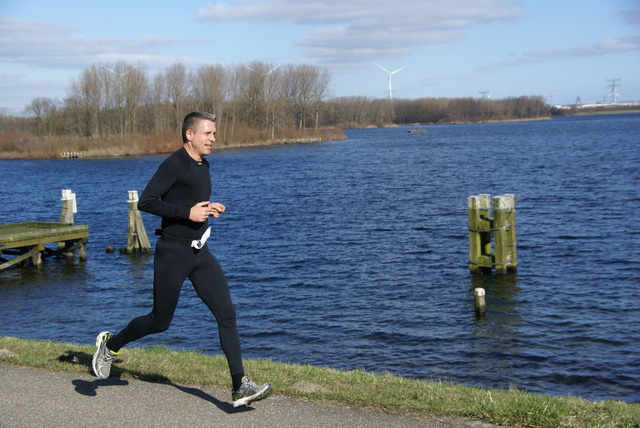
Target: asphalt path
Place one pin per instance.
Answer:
(40, 398)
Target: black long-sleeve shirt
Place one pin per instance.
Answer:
(179, 183)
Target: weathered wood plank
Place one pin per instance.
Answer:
(15, 260)
(32, 233)
(28, 240)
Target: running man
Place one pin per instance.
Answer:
(179, 192)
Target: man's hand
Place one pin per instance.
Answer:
(216, 209)
(201, 211)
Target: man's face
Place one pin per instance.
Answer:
(202, 138)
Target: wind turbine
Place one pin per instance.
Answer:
(390, 73)
(116, 73)
(273, 69)
(268, 72)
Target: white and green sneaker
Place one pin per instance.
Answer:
(250, 392)
(103, 357)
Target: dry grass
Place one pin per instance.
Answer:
(14, 146)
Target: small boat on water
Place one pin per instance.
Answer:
(417, 131)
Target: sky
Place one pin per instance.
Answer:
(561, 50)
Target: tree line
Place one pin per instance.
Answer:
(357, 112)
(121, 99)
(258, 101)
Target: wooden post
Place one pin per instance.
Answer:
(36, 255)
(512, 244)
(480, 302)
(485, 228)
(504, 233)
(479, 233)
(500, 233)
(137, 240)
(68, 207)
(132, 237)
(475, 250)
(82, 250)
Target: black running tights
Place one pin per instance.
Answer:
(174, 262)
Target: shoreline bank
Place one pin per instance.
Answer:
(387, 394)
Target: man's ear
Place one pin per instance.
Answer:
(189, 134)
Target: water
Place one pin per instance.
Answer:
(354, 254)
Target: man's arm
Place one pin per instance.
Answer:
(158, 186)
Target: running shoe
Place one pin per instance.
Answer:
(103, 357)
(250, 392)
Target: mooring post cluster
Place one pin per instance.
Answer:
(483, 255)
(502, 226)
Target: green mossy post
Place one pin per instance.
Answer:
(137, 240)
(504, 233)
(475, 250)
(481, 225)
(500, 235)
(512, 247)
(480, 233)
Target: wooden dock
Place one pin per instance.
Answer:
(27, 240)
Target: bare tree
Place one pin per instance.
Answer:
(210, 86)
(176, 88)
(124, 86)
(86, 93)
(252, 94)
(135, 87)
(319, 92)
(234, 83)
(307, 85)
(42, 111)
(278, 103)
(158, 100)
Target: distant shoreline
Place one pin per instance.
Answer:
(107, 148)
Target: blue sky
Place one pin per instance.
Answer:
(559, 49)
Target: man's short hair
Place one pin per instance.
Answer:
(192, 120)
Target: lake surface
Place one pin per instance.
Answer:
(354, 254)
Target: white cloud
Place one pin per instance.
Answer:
(42, 44)
(602, 47)
(17, 88)
(364, 30)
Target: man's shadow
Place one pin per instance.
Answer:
(90, 388)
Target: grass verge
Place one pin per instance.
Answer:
(385, 393)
